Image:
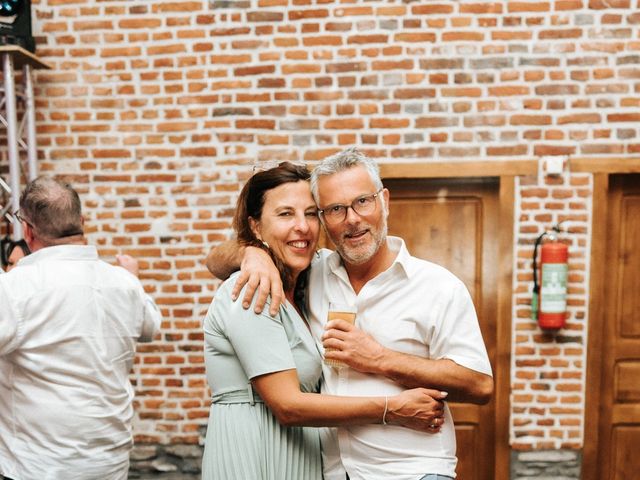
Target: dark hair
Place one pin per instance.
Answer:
(251, 201)
(15, 244)
(7, 246)
(52, 208)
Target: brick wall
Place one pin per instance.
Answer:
(548, 369)
(156, 110)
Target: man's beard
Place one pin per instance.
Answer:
(362, 254)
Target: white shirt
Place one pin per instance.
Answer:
(69, 323)
(414, 307)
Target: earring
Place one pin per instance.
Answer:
(265, 244)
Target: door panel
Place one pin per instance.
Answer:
(624, 452)
(454, 223)
(444, 239)
(619, 412)
(467, 434)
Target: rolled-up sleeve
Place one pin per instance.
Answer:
(458, 335)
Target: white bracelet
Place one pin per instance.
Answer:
(384, 415)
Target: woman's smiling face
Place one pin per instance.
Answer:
(289, 224)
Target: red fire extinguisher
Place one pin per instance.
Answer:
(549, 302)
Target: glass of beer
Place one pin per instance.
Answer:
(340, 311)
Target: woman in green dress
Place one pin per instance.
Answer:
(264, 371)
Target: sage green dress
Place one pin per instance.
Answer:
(244, 440)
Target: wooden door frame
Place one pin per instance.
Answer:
(596, 326)
(506, 173)
(602, 169)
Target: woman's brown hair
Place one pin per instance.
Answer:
(251, 202)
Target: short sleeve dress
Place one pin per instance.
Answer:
(244, 440)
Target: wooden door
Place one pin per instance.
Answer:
(454, 223)
(614, 347)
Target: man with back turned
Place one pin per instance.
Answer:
(69, 324)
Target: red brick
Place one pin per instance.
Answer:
(121, 52)
(506, 90)
(461, 92)
(176, 126)
(530, 120)
(418, 37)
(623, 117)
(392, 11)
(579, 118)
(177, 7)
(431, 9)
(93, 25)
(364, 39)
(516, 7)
(140, 23)
(510, 35)
(258, 124)
(481, 8)
(254, 70)
(347, 123)
(435, 122)
(555, 34)
(353, 11)
(604, 4)
(113, 153)
(517, 150)
(462, 37)
(322, 40)
(415, 93)
(305, 14)
(166, 49)
(550, 150)
(392, 65)
(388, 123)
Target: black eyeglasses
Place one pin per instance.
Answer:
(363, 205)
(64, 234)
(21, 218)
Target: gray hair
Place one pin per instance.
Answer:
(52, 208)
(348, 158)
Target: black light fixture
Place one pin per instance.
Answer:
(9, 8)
(15, 24)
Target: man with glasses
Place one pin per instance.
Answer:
(416, 325)
(69, 324)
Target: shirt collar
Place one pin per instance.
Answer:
(396, 244)
(61, 252)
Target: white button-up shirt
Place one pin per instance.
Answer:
(414, 307)
(69, 324)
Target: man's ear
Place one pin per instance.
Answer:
(255, 227)
(27, 233)
(385, 195)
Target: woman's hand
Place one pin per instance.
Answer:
(418, 409)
